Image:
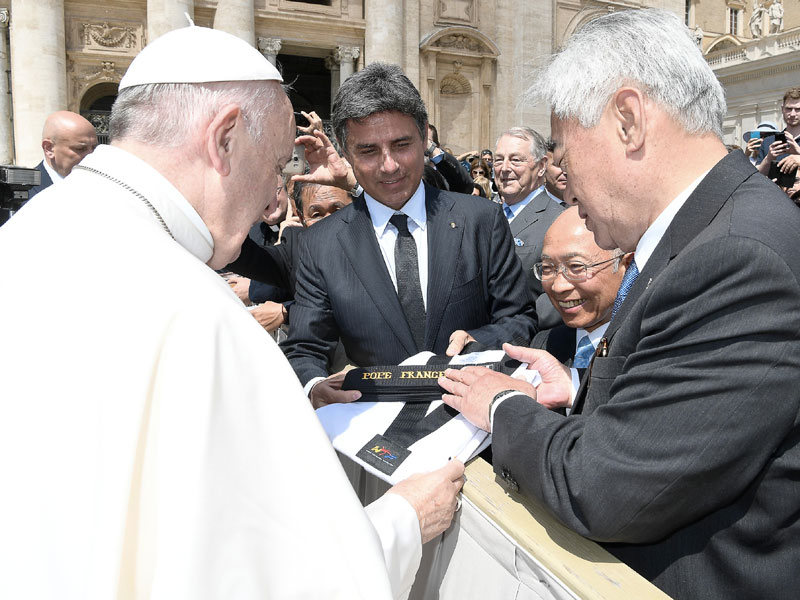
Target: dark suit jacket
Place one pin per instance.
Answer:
(685, 460)
(44, 182)
(560, 342)
(273, 265)
(529, 226)
(475, 283)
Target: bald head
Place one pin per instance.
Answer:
(586, 297)
(66, 138)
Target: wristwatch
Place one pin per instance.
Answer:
(356, 191)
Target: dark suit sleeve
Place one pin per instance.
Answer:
(512, 315)
(314, 333)
(456, 176)
(271, 265)
(694, 412)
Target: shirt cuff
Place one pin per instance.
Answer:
(437, 159)
(576, 383)
(397, 525)
(498, 402)
(310, 385)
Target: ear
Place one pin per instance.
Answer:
(543, 166)
(222, 137)
(628, 111)
(47, 146)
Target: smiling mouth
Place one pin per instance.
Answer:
(570, 303)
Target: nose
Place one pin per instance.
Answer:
(560, 284)
(388, 164)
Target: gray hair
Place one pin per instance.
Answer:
(649, 49)
(168, 114)
(379, 87)
(536, 140)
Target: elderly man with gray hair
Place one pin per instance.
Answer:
(159, 445)
(520, 163)
(682, 451)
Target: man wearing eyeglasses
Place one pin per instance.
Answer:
(581, 280)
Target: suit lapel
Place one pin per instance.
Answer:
(530, 214)
(695, 215)
(361, 248)
(445, 230)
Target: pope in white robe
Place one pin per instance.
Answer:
(154, 442)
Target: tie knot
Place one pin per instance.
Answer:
(509, 212)
(400, 221)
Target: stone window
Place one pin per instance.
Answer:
(734, 21)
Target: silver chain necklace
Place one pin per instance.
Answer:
(139, 195)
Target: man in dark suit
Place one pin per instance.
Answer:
(405, 267)
(581, 281)
(66, 138)
(682, 454)
(520, 161)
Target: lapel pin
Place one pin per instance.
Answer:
(452, 225)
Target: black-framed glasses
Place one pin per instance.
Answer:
(573, 270)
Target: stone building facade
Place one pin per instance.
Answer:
(755, 54)
(471, 59)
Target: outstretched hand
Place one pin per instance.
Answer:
(433, 496)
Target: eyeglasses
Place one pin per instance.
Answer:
(573, 270)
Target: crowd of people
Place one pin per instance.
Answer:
(158, 440)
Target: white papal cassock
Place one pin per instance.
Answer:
(154, 442)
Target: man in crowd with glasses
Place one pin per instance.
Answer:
(581, 280)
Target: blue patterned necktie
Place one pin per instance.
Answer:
(627, 283)
(583, 355)
(509, 212)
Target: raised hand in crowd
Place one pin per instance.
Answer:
(433, 496)
(325, 165)
(291, 220)
(789, 163)
(314, 123)
(752, 148)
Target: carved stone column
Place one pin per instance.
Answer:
(383, 38)
(237, 18)
(6, 148)
(38, 72)
(166, 15)
(345, 55)
(270, 48)
(333, 66)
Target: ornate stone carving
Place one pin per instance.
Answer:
(107, 36)
(331, 63)
(4, 17)
(90, 73)
(775, 13)
(346, 53)
(454, 84)
(269, 46)
(460, 42)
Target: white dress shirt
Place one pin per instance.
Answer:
(386, 233)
